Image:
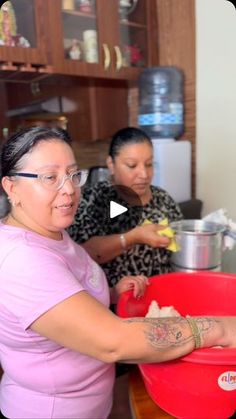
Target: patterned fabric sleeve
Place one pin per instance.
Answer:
(163, 206)
(174, 211)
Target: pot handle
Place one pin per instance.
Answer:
(229, 239)
(230, 233)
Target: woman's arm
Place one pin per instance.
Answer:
(82, 324)
(105, 248)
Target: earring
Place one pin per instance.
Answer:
(12, 202)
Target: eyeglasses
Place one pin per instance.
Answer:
(55, 181)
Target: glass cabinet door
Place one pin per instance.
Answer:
(133, 32)
(110, 34)
(22, 32)
(80, 35)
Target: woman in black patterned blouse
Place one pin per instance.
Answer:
(123, 245)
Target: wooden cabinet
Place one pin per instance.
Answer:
(100, 38)
(87, 50)
(94, 38)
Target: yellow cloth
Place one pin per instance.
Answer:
(167, 232)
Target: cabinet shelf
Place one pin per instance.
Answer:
(79, 14)
(133, 25)
(27, 74)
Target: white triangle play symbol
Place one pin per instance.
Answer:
(116, 209)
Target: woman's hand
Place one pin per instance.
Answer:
(228, 325)
(136, 283)
(148, 234)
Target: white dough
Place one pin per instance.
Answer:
(166, 311)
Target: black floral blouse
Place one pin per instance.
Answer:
(92, 219)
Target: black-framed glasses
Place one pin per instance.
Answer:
(55, 181)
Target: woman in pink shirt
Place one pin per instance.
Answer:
(58, 339)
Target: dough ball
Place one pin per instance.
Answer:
(166, 311)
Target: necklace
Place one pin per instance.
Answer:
(11, 220)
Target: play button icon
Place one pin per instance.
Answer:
(116, 209)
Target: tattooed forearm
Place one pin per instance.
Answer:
(172, 332)
(162, 335)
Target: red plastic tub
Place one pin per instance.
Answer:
(203, 383)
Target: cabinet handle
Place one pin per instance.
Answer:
(107, 60)
(118, 57)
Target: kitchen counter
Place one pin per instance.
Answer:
(142, 406)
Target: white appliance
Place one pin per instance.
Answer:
(172, 167)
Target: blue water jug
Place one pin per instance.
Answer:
(161, 112)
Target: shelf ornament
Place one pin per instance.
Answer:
(68, 5)
(8, 28)
(126, 7)
(132, 55)
(85, 6)
(7, 25)
(75, 52)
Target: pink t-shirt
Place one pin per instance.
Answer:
(42, 379)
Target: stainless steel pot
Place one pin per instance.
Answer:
(97, 174)
(201, 245)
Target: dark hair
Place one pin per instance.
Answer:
(124, 136)
(23, 141)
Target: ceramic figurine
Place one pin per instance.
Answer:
(85, 6)
(75, 50)
(7, 25)
(8, 28)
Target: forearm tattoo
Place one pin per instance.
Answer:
(172, 332)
